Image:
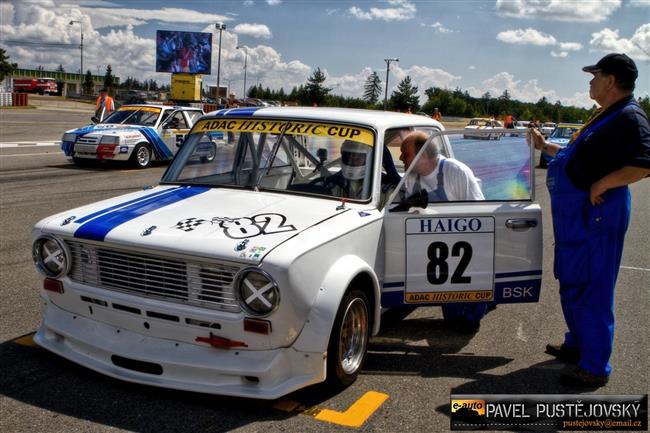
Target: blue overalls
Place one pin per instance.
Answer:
(588, 249)
(470, 311)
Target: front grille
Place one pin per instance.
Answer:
(87, 140)
(203, 284)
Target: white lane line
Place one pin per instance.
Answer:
(29, 144)
(635, 269)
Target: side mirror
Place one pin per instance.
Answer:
(417, 199)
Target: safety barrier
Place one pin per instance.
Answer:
(5, 99)
(19, 99)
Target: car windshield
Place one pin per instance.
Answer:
(291, 156)
(134, 116)
(564, 132)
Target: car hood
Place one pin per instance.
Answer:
(240, 225)
(104, 127)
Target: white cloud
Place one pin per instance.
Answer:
(637, 47)
(570, 46)
(558, 10)
(113, 17)
(129, 54)
(254, 30)
(249, 2)
(472, 68)
(330, 12)
(529, 36)
(273, 2)
(439, 28)
(639, 3)
(561, 54)
(527, 91)
(401, 10)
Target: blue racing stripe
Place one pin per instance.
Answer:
(126, 203)
(98, 228)
(159, 146)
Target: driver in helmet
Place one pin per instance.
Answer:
(349, 181)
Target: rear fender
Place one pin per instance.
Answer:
(315, 335)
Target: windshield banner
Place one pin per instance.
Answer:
(131, 108)
(346, 132)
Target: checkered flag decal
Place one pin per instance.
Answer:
(189, 224)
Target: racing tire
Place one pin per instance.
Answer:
(348, 343)
(141, 156)
(212, 154)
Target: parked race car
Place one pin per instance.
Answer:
(547, 128)
(266, 269)
(478, 128)
(136, 133)
(560, 136)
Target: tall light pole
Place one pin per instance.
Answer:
(221, 27)
(387, 71)
(245, 48)
(81, 47)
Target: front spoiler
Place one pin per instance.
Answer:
(263, 374)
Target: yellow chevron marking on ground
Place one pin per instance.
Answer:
(26, 340)
(356, 415)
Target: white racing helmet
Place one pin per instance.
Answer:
(354, 157)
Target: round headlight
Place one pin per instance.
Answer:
(51, 256)
(257, 292)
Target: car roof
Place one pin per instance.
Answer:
(163, 107)
(373, 118)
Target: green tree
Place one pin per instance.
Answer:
(315, 92)
(89, 83)
(645, 104)
(372, 88)
(6, 68)
(405, 96)
(109, 78)
(60, 68)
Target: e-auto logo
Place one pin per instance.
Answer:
(461, 409)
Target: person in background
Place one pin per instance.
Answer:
(590, 205)
(437, 115)
(444, 179)
(104, 105)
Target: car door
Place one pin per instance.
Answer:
(469, 251)
(174, 130)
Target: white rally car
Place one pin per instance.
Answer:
(266, 269)
(136, 133)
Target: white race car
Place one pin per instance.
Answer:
(481, 128)
(266, 269)
(136, 133)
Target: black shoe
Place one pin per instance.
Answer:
(581, 377)
(560, 351)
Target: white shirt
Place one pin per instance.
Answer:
(458, 179)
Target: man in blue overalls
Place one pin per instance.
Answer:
(444, 179)
(590, 202)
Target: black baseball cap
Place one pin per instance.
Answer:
(618, 65)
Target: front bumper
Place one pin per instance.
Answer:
(264, 374)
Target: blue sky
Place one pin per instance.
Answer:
(532, 48)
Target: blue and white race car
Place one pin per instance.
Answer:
(560, 136)
(135, 133)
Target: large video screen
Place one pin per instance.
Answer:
(188, 52)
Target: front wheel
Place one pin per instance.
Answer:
(212, 153)
(348, 343)
(141, 157)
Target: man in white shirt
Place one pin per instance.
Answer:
(444, 179)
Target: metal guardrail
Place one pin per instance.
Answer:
(5, 99)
